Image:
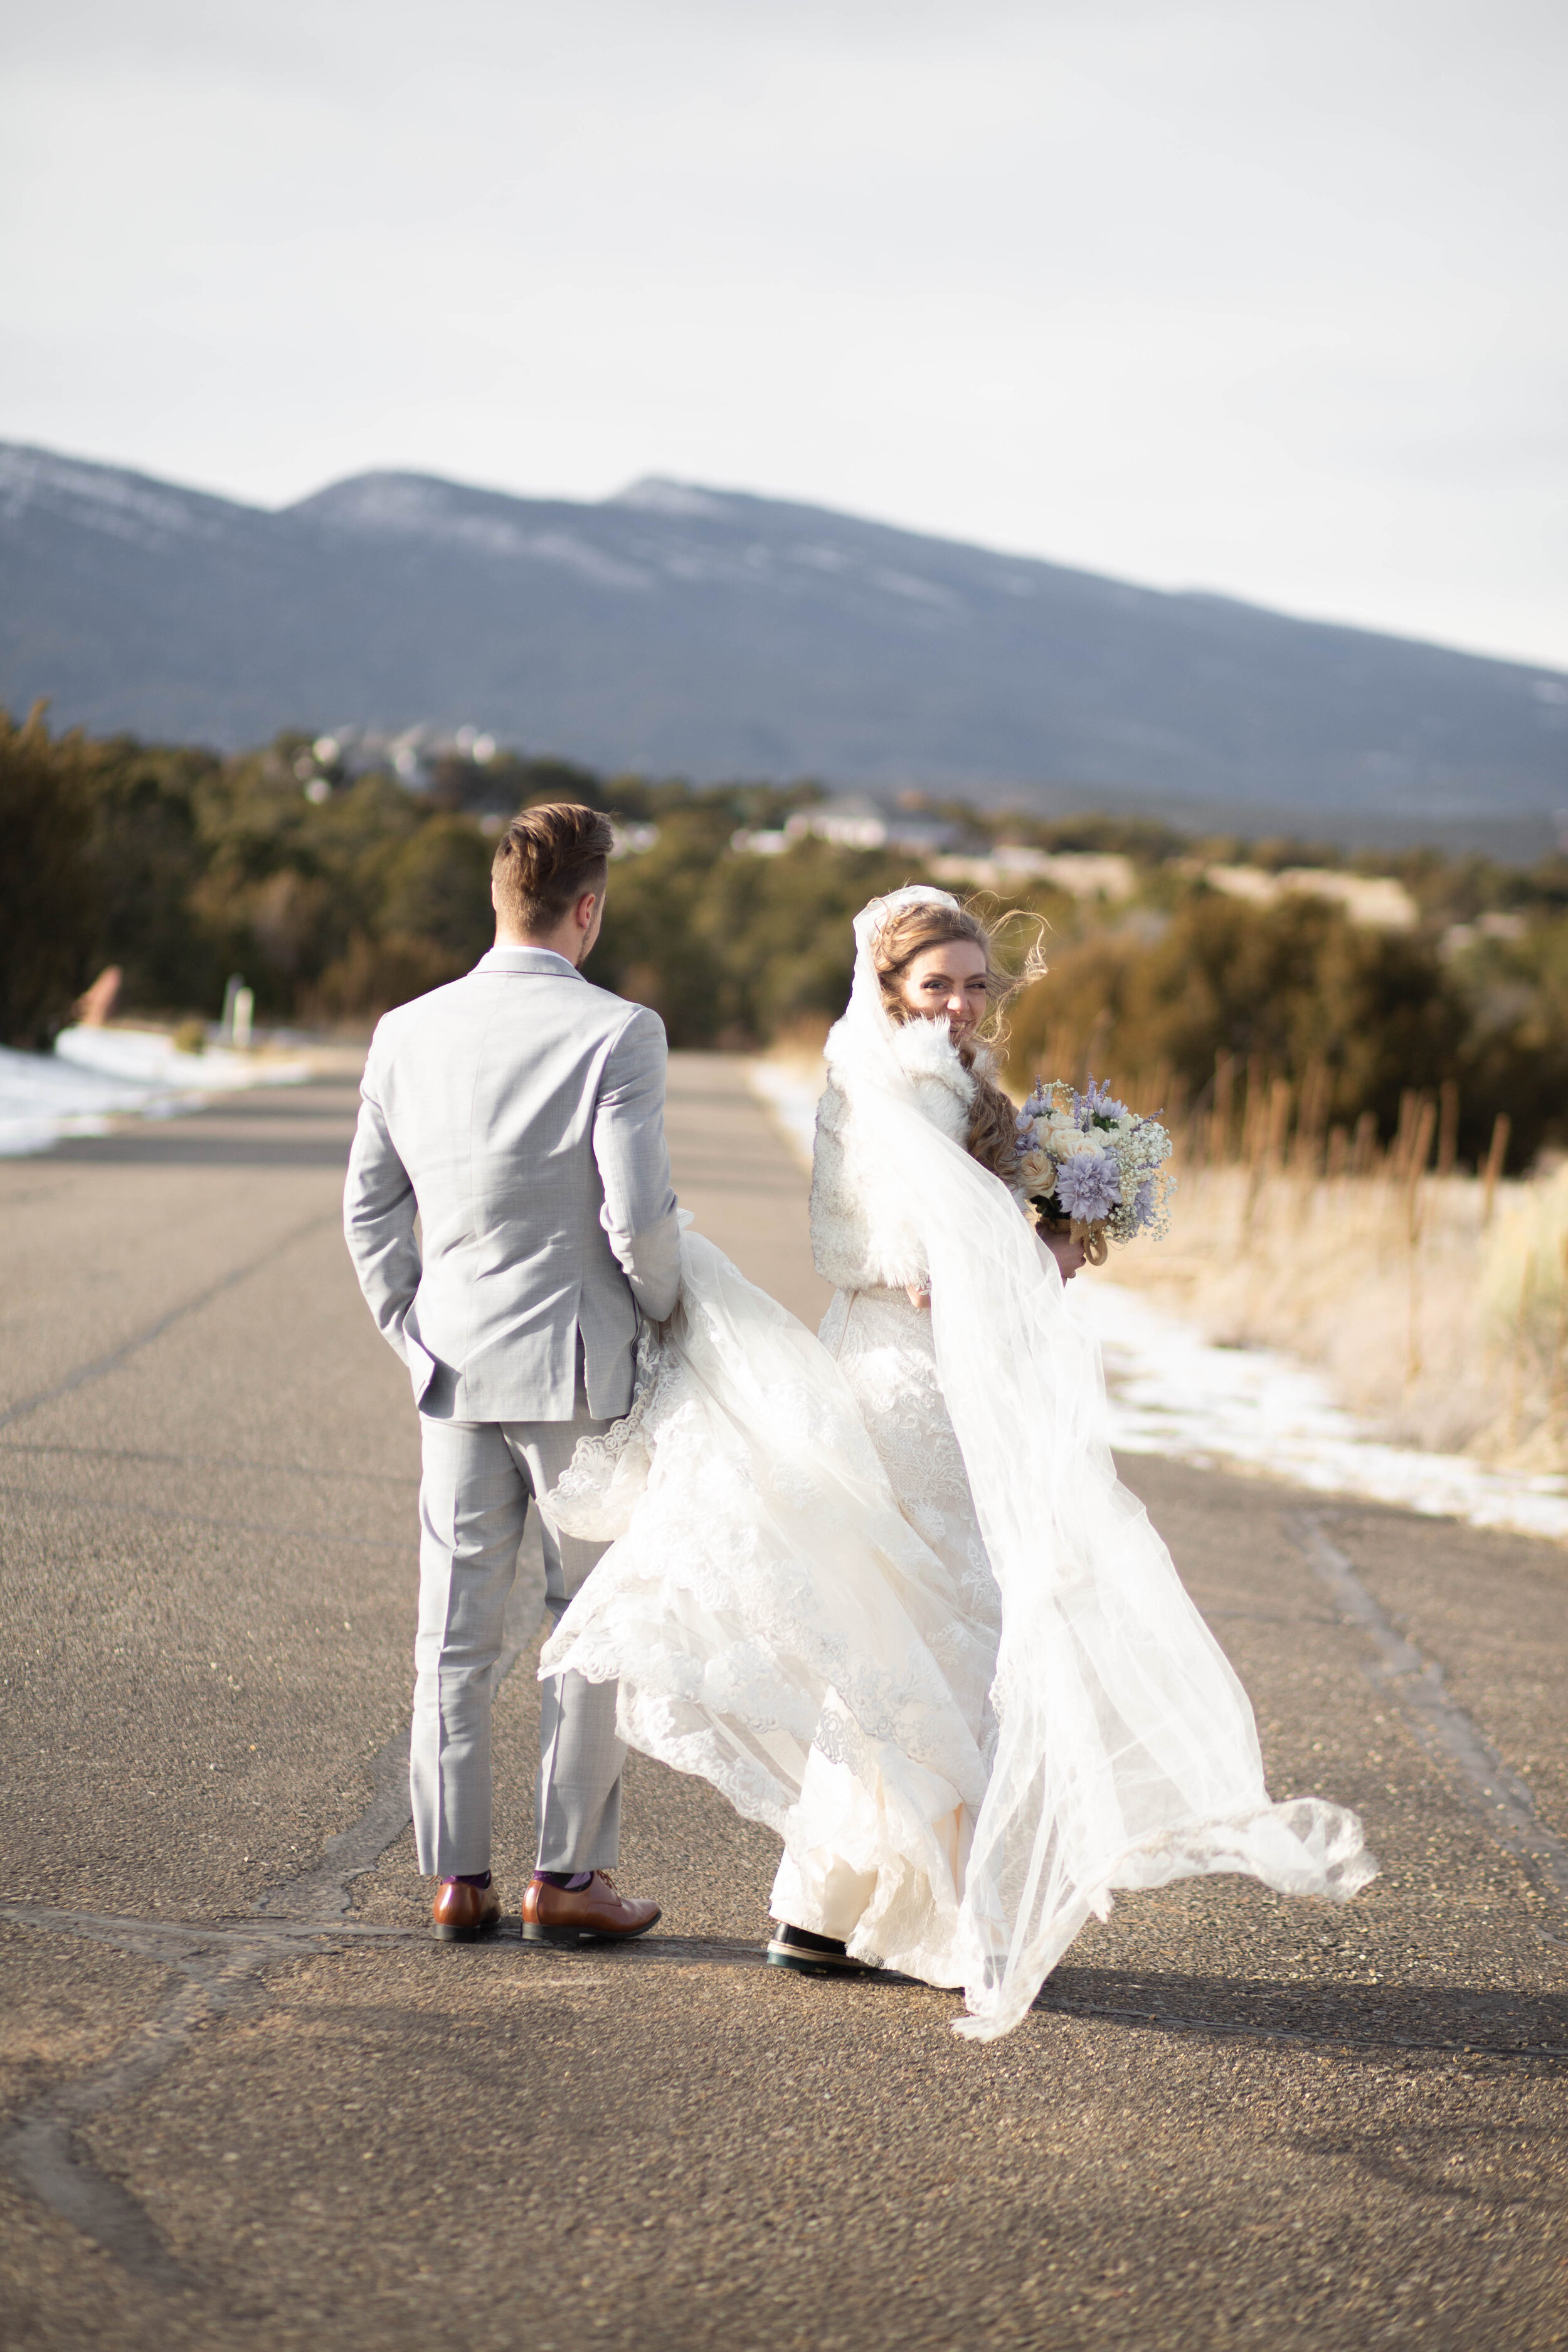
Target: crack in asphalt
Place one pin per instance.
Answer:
(323, 1895)
(221, 1958)
(219, 1968)
(1447, 1734)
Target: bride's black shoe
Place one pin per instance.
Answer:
(812, 1956)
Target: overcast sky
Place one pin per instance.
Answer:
(1264, 296)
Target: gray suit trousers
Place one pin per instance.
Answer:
(479, 1479)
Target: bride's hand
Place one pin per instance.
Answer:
(1069, 1254)
(916, 1296)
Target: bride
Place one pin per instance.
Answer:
(884, 1589)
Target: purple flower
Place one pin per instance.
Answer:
(1088, 1186)
(1143, 1203)
(1100, 1100)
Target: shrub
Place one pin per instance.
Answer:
(51, 926)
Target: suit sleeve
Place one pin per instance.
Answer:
(639, 1211)
(379, 1210)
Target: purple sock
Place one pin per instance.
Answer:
(480, 1878)
(571, 1880)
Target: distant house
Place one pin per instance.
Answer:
(1377, 902)
(1084, 874)
(411, 756)
(857, 821)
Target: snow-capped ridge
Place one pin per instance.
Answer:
(656, 494)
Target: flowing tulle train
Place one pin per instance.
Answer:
(989, 1773)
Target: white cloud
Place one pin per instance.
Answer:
(1234, 293)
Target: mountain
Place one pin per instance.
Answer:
(675, 630)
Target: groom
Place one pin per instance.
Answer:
(519, 1113)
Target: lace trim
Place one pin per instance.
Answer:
(597, 1493)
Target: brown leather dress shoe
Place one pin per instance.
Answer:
(558, 1914)
(462, 1914)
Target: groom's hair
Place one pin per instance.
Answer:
(546, 859)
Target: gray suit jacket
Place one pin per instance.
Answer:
(519, 1114)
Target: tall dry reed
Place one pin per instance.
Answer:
(1435, 1302)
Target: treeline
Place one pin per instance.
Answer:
(1217, 995)
(338, 896)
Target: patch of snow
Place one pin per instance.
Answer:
(681, 564)
(818, 558)
(656, 495)
(95, 1076)
(431, 510)
(580, 556)
(792, 1097)
(1172, 1393)
(126, 506)
(918, 591)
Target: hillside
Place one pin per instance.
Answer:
(711, 633)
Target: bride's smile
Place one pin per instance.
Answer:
(948, 980)
(952, 981)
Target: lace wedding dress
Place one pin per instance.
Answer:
(884, 1589)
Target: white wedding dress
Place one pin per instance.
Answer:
(884, 1589)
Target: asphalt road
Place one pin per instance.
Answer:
(236, 2113)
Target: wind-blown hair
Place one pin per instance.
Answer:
(547, 857)
(930, 924)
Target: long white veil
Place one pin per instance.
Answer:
(1125, 1751)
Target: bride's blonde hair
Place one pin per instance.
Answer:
(905, 934)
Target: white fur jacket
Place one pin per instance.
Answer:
(861, 1234)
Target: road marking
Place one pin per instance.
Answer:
(1444, 1729)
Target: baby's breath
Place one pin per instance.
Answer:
(1088, 1158)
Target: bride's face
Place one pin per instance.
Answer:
(950, 981)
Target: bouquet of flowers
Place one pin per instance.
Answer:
(1092, 1166)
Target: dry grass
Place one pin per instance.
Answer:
(1444, 1328)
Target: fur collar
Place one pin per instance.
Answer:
(925, 1051)
(862, 1231)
